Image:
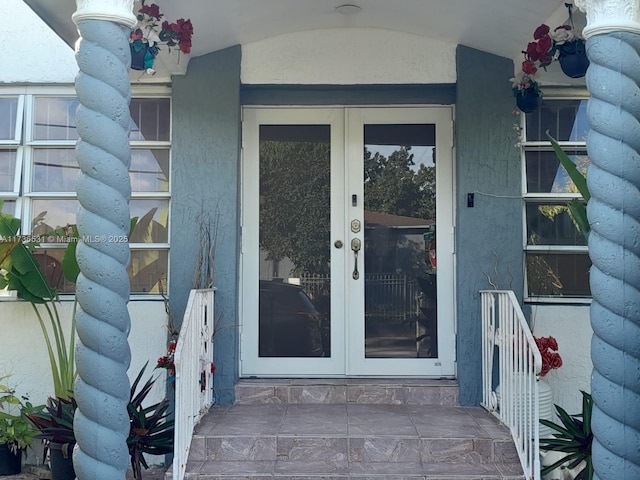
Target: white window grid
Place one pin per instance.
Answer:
(25, 144)
(14, 144)
(548, 198)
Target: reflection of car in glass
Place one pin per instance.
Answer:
(289, 323)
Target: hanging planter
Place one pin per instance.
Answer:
(151, 32)
(528, 101)
(141, 55)
(574, 65)
(137, 57)
(562, 44)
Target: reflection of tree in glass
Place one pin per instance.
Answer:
(392, 186)
(294, 203)
(542, 278)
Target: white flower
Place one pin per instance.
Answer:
(563, 34)
(522, 81)
(150, 34)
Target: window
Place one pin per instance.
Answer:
(38, 171)
(10, 151)
(557, 260)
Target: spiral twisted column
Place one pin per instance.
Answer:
(101, 422)
(613, 80)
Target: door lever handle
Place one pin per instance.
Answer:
(356, 244)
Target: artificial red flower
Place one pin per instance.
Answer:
(529, 67)
(551, 359)
(541, 31)
(152, 10)
(545, 44)
(532, 52)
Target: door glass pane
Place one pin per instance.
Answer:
(294, 224)
(399, 247)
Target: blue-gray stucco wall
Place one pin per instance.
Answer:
(489, 235)
(205, 168)
(205, 178)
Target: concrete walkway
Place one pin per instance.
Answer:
(39, 472)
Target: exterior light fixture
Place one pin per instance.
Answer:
(348, 9)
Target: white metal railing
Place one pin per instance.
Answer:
(193, 386)
(513, 396)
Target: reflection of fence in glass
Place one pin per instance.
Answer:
(394, 296)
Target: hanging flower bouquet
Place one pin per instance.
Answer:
(151, 32)
(562, 45)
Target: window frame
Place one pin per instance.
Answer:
(24, 195)
(15, 143)
(551, 198)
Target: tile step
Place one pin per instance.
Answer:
(331, 441)
(379, 471)
(443, 392)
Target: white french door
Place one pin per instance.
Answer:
(347, 242)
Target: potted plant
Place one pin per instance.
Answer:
(526, 88)
(570, 48)
(562, 44)
(151, 32)
(572, 438)
(16, 431)
(151, 428)
(55, 424)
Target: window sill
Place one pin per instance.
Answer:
(577, 301)
(8, 296)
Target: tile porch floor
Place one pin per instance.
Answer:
(350, 429)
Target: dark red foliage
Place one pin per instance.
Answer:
(152, 10)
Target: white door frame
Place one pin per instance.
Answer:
(345, 123)
(444, 364)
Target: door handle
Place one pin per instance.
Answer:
(356, 244)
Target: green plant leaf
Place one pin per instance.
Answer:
(151, 429)
(579, 180)
(578, 212)
(6, 247)
(574, 438)
(70, 267)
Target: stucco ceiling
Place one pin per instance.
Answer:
(502, 27)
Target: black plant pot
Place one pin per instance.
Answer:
(60, 455)
(574, 65)
(137, 57)
(528, 101)
(10, 463)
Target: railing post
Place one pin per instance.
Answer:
(519, 361)
(193, 357)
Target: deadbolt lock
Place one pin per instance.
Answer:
(355, 226)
